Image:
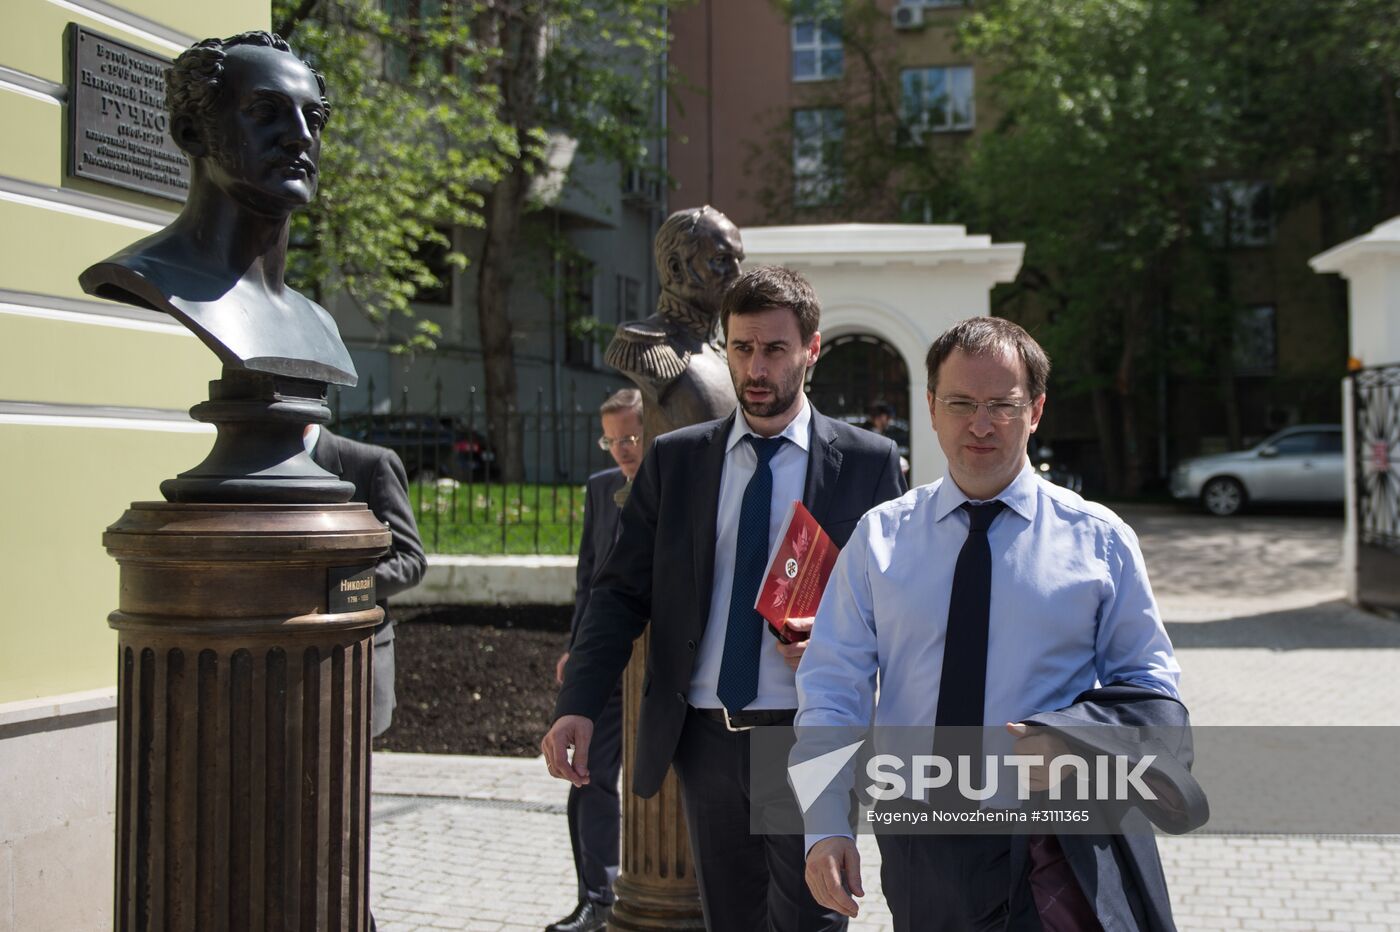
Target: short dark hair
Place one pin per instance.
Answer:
(194, 81)
(771, 286)
(624, 399)
(979, 336)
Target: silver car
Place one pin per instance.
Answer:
(1300, 464)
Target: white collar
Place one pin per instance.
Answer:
(798, 430)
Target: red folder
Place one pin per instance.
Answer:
(797, 572)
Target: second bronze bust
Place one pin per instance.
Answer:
(671, 355)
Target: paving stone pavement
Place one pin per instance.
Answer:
(1254, 607)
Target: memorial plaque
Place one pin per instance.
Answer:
(118, 129)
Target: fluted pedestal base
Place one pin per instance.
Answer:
(656, 887)
(245, 665)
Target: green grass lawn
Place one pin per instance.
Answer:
(499, 519)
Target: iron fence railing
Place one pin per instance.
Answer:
(464, 501)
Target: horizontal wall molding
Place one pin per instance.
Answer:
(32, 85)
(83, 204)
(109, 417)
(79, 311)
(158, 34)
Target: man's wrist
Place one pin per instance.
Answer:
(813, 840)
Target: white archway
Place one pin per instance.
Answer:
(876, 319)
(902, 283)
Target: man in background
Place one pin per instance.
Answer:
(879, 417)
(381, 483)
(595, 810)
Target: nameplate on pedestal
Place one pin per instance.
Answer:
(351, 589)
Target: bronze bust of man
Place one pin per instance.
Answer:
(248, 113)
(671, 355)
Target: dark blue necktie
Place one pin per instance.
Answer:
(963, 687)
(743, 637)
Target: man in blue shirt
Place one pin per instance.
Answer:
(1064, 606)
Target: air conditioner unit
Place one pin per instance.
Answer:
(640, 186)
(908, 16)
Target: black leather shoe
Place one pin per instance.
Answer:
(587, 916)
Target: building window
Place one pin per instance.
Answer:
(937, 100)
(629, 299)
(579, 320)
(1256, 340)
(1239, 213)
(817, 54)
(817, 134)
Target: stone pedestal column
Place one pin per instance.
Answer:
(656, 887)
(244, 684)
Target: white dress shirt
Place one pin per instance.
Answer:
(1071, 609)
(776, 689)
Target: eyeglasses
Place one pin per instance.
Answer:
(607, 443)
(1000, 411)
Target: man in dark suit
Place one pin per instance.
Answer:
(696, 532)
(595, 810)
(381, 483)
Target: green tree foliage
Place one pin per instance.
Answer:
(585, 70)
(1120, 118)
(1106, 132)
(444, 112)
(406, 154)
(1114, 115)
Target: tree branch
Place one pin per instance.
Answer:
(295, 18)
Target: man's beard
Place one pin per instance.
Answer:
(784, 394)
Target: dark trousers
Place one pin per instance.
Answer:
(748, 882)
(595, 809)
(980, 883)
(946, 883)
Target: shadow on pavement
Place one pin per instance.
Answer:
(1331, 625)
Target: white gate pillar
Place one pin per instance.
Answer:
(1370, 263)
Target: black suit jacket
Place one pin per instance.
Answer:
(662, 569)
(1122, 874)
(600, 520)
(381, 483)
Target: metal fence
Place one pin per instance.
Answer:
(462, 501)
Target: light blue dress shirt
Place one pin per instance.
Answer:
(1071, 609)
(776, 689)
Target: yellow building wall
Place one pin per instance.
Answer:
(78, 441)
